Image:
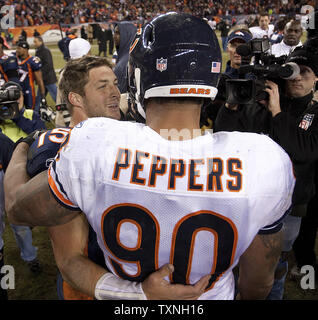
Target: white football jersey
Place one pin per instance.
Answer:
(258, 32)
(280, 49)
(197, 203)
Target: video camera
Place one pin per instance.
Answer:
(265, 67)
(9, 105)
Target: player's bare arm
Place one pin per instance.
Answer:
(257, 266)
(30, 201)
(71, 261)
(70, 258)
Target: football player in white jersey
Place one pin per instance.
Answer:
(203, 204)
(264, 29)
(291, 39)
(74, 244)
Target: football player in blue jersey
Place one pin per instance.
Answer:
(42, 151)
(8, 64)
(29, 70)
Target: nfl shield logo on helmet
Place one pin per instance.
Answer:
(162, 64)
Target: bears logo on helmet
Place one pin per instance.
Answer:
(173, 51)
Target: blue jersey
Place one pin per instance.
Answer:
(9, 68)
(44, 149)
(41, 153)
(27, 67)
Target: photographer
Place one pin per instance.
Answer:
(291, 119)
(15, 121)
(236, 38)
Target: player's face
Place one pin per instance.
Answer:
(20, 52)
(292, 34)
(264, 22)
(102, 96)
(37, 43)
(235, 58)
(303, 84)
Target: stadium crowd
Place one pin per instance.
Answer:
(37, 12)
(33, 113)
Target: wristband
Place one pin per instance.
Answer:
(111, 287)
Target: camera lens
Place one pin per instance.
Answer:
(5, 112)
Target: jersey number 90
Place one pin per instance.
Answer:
(145, 253)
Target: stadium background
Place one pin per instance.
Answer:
(43, 286)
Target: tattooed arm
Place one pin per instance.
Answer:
(30, 201)
(257, 266)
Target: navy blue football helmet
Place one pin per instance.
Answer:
(174, 55)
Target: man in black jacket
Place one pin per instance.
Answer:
(102, 37)
(291, 119)
(48, 72)
(224, 26)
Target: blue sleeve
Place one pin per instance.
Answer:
(28, 125)
(36, 63)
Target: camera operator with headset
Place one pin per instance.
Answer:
(304, 246)
(15, 121)
(238, 36)
(289, 117)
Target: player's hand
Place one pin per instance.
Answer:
(30, 138)
(156, 287)
(273, 100)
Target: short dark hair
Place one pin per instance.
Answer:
(39, 38)
(264, 14)
(75, 76)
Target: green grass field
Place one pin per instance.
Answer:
(43, 286)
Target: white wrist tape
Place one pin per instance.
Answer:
(110, 287)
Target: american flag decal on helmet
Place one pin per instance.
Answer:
(162, 64)
(216, 67)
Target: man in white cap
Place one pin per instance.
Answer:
(78, 48)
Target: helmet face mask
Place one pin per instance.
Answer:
(175, 55)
